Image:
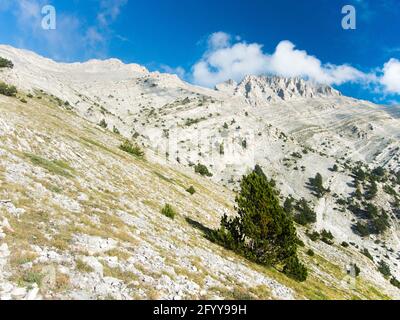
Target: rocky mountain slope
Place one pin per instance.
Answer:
(81, 218)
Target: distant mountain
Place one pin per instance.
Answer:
(259, 90)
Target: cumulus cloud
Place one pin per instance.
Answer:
(290, 62)
(225, 60)
(391, 76)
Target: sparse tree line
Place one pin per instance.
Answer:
(373, 219)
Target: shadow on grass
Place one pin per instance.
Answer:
(207, 232)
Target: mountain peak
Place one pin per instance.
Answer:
(259, 90)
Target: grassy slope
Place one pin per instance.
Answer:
(64, 157)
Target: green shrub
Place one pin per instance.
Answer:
(190, 122)
(296, 155)
(6, 90)
(5, 63)
(310, 252)
(326, 235)
(221, 149)
(103, 124)
(202, 169)
(168, 211)
(23, 100)
(191, 190)
(362, 229)
(359, 174)
(389, 190)
(295, 269)
(384, 268)
(381, 223)
(300, 243)
(379, 172)
(372, 211)
(132, 149)
(344, 244)
(372, 191)
(366, 253)
(313, 236)
(395, 282)
(115, 130)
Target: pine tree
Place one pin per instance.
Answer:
(372, 191)
(262, 231)
(305, 215)
(288, 205)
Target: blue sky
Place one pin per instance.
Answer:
(209, 41)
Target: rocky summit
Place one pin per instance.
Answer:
(112, 175)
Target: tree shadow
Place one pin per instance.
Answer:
(207, 232)
(310, 186)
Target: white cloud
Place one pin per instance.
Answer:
(110, 10)
(93, 36)
(219, 40)
(391, 76)
(290, 62)
(72, 38)
(224, 60)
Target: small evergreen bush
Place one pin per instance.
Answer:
(132, 149)
(310, 252)
(6, 90)
(168, 211)
(395, 282)
(366, 253)
(103, 124)
(295, 269)
(384, 269)
(5, 63)
(191, 190)
(202, 170)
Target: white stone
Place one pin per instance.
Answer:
(32, 294)
(18, 292)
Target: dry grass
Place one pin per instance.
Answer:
(83, 267)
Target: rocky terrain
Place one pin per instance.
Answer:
(81, 219)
